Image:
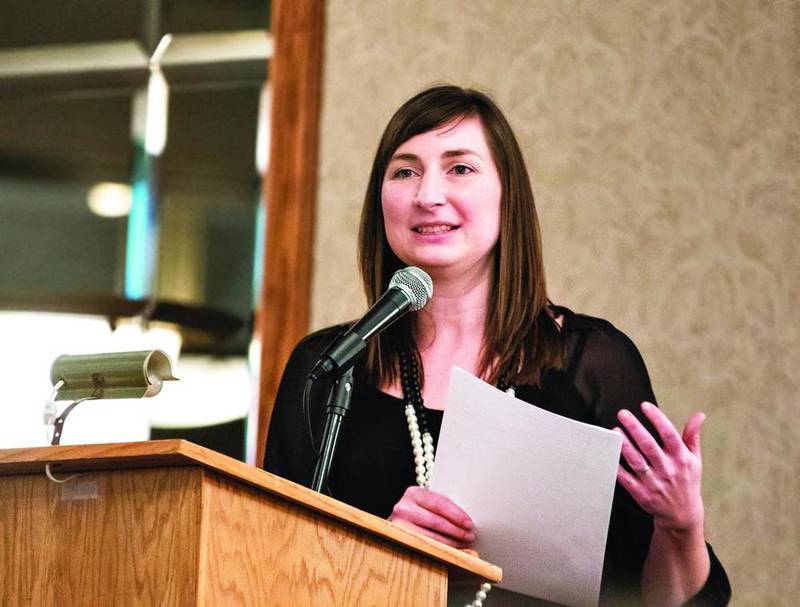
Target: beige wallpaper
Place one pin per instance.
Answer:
(663, 142)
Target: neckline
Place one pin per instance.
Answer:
(400, 401)
(566, 326)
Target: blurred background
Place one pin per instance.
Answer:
(130, 213)
(663, 140)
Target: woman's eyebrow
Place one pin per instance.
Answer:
(460, 152)
(406, 156)
(446, 154)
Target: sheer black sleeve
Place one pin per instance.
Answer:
(608, 371)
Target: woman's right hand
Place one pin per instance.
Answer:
(434, 515)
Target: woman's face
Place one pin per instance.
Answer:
(441, 200)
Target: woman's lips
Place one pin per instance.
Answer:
(434, 229)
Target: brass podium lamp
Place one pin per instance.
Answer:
(99, 376)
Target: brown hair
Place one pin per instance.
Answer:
(521, 339)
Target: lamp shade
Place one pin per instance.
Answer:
(112, 375)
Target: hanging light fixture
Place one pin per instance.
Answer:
(157, 102)
(108, 199)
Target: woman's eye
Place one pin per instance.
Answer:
(403, 173)
(462, 169)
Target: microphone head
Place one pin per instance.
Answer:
(415, 283)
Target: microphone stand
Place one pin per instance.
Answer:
(337, 408)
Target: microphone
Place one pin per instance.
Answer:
(409, 290)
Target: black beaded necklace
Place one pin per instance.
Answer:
(412, 391)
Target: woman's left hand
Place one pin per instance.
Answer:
(665, 481)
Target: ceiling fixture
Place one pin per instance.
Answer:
(108, 199)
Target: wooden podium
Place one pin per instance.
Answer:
(168, 523)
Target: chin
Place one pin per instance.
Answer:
(426, 262)
(438, 267)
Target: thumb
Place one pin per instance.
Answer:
(691, 433)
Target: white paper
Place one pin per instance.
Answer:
(537, 485)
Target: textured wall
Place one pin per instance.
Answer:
(663, 141)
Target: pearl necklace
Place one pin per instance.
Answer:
(422, 446)
(422, 441)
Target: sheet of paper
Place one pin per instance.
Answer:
(537, 485)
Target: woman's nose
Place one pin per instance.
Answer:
(431, 191)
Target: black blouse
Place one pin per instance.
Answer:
(373, 466)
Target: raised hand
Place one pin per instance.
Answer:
(665, 481)
(434, 515)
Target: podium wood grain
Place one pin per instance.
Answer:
(170, 523)
(309, 553)
(132, 544)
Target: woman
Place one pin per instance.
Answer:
(449, 192)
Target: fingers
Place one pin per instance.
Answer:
(691, 433)
(666, 430)
(633, 457)
(433, 521)
(444, 539)
(643, 451)
(443, 506)
(434, 515)
(671, 490)
(643, 441)
(631, 483)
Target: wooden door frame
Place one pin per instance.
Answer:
(290, 189)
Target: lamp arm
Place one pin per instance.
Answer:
(58, 424)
